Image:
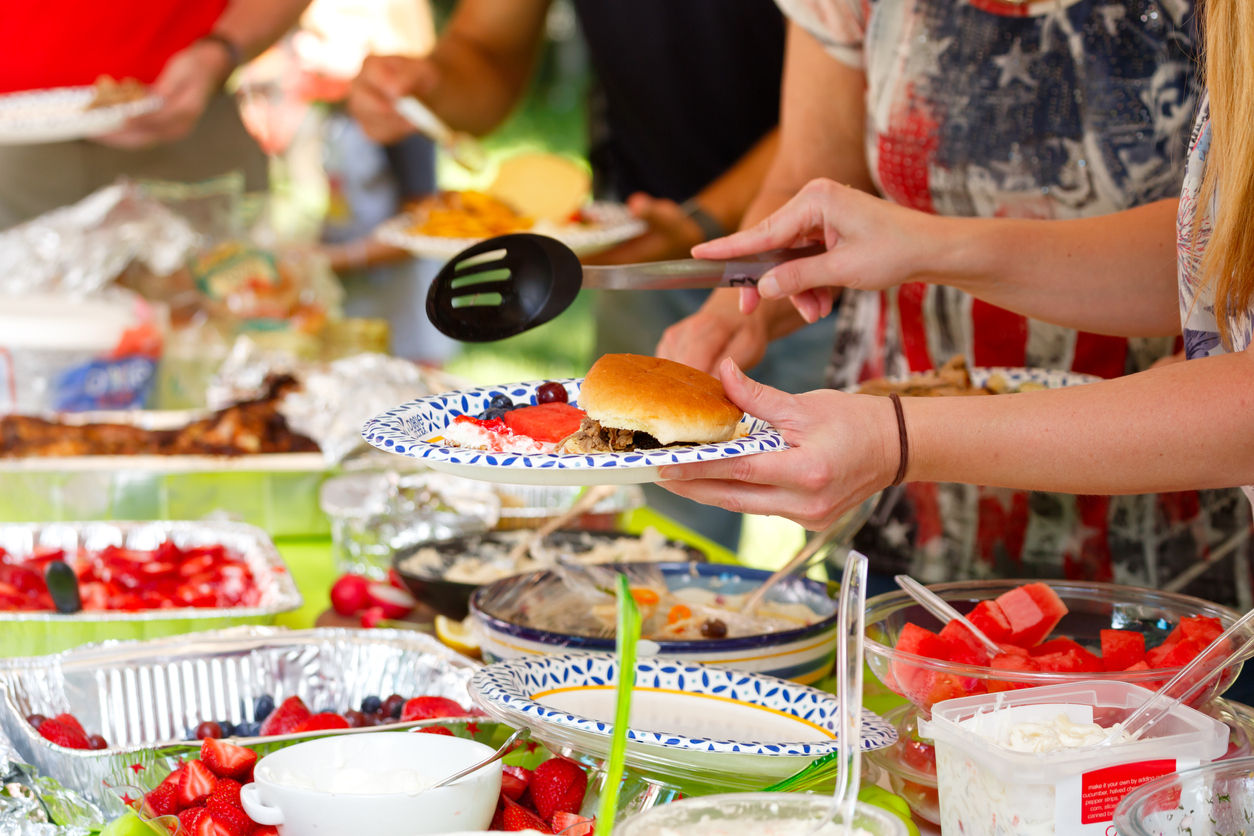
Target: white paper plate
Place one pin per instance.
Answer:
(728, 729)
(61, 114)
(415, 430)
(612, 223)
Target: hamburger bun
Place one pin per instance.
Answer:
(669, 401)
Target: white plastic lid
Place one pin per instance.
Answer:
(1183, 734)
(49, 321)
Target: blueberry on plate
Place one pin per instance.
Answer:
(262, 707)
(228, 728)
(248, 729)
(371, 705)
(494, 414)
(501, 402)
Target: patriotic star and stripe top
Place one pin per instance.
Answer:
(1197, 302)
(1045, 109)
(1042, 109)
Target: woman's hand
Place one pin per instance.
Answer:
(871, 245)
(384, 79)
(843, 448)
(185, 85)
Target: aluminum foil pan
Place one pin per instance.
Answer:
(145, 697)
(530, 506)
(36, 633)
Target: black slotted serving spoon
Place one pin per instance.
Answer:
(506, 285)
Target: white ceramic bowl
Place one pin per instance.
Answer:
(756, 813)
(465, 805)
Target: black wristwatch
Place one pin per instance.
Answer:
(710, 227)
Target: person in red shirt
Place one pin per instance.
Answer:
(183, 49)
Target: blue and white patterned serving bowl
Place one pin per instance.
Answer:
(690, 723)
(415, 430)
(803, 655)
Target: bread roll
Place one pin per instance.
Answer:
(542, 186)
(669, 401)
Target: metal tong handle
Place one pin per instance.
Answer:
(695, 272)
(938, 607)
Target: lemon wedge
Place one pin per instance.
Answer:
(458, 635)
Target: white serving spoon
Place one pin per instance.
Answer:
(938, 607)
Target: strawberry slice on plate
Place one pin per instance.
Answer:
(429, 708)
(226, 760)
(558, 786)
(286, 717)
(517, 817)
(196, 784)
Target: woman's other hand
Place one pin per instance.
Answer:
(871, 245)
(842, 449)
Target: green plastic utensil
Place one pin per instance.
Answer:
(628, 637)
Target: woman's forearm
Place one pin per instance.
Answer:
(1114, 274)
(1184, 426)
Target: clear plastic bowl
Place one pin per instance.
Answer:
(1216, 798)
(756, 813)
(1092, 607)
(910, 763)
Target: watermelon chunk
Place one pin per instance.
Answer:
(1121, 649)
(1013, 649)
(1201, 628)
(1033, 611)
(922, 642)
(1010, 662)
(1069, 661)
(990, 620)
(948, 686)
(915, 682)
(968, 646)
(1179, 654)
(1154, 656)
(1059, 645)
(549, 422)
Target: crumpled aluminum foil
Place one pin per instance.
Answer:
(145, 697)
(335, 399)
(375, 515)
(80, 249)
(31, 805)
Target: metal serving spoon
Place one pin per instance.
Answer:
(506, 285)
(506, 747)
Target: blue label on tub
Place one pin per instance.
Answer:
(104, 384)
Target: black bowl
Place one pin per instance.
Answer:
(452, 598)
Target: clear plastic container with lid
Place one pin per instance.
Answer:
(987, 788)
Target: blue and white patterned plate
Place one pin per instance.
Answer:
(414, 429)
(1014, 377)
(725, 728)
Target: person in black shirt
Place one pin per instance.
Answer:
(688, 96)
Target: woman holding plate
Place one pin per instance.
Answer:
(1171, 267)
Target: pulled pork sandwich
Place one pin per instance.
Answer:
(643, 403)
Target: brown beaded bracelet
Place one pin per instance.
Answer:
(901, 432)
